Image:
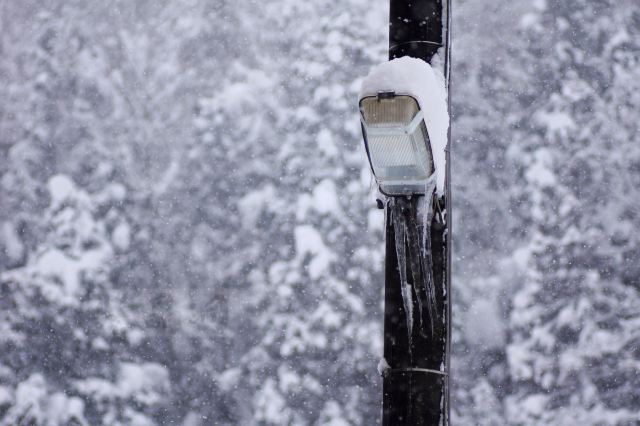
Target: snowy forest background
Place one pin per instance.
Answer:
(188, 232)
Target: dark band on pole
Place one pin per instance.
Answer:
(415, 370)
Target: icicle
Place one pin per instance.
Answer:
(407, 299)
(420, 275)
(427, 214)
(414, 232)
(426, 249)
(400, 231)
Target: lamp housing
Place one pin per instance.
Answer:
(397, 143)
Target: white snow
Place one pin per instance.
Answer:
(300, 335)
(229, 379)
(254, 203)
(167, 178)
(326, 143)
(60, 188)
(288, 380)
(383, 366)
(325, 197)
(236, 97)
(270, 405)
(519, 360)
(99, 344)
(30, 394)
(144, 382)
(533, 406)
(375, 220)
(96, 388)
(58, 274)
(135, 418)
(122, 236)
(192, 419)
(540, 172)
(13, 246)
(484, 325)
(117, 192)
(309, 241)
(327, 315)
(62, 409)
(35, 404)
(59, 267)
(311, 384)
(414, 77)
(333, 415)
(333, 50)
(5, 396)
(134, 335)
(558, 123)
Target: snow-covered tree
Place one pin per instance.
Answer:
(68, 331)
(572, 343)
(187, 233)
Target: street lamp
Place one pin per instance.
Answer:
(404, 114)
(397, 143)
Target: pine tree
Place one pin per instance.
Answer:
(68, 331)
(572, 344)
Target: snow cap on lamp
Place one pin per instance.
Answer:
(418, 92)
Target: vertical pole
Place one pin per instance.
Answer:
(415, 387)
(415, 28)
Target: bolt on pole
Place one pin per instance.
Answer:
(416, 384)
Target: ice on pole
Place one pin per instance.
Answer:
(416, 78)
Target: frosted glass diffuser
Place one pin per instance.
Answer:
(397, 143)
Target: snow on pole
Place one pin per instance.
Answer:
(416, 78)
(383, 366)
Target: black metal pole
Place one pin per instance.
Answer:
(416, 386)
(415, 28)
